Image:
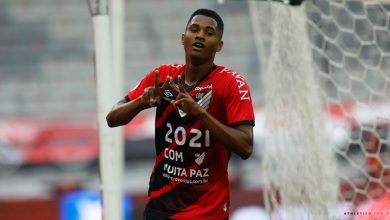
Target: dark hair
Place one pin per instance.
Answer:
(209, 13)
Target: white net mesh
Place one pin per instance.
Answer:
(349, 47)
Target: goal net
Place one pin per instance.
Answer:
(325, 68)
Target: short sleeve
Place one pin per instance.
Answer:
(238, 102)
(146, 82)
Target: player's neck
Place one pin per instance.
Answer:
(195, 73)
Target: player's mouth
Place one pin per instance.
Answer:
(198, 45)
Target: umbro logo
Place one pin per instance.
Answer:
(168, 93)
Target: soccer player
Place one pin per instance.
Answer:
(204, 113)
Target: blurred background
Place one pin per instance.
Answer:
(48, 127)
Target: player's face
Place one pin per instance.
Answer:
(202, 39)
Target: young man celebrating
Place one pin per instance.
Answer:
(203, 113)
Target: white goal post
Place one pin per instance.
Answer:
(325, 67)
(109, 55)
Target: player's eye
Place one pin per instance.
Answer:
(193, 29)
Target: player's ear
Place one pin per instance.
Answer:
(182, 39)
(220, 46)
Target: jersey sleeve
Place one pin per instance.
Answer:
(165, 70)
(146, 82)
(138, 90)
(238, 102)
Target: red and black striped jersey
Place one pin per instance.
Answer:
(189, 179)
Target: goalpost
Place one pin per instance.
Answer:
(326, 78)
(108, 61)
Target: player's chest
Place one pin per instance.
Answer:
(207, 95)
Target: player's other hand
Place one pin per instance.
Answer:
(183, 100)
(152, 95)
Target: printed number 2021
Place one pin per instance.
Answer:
(179, 136)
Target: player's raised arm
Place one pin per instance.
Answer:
(123, 112)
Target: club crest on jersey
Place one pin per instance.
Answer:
(199, 158)
(204, 99)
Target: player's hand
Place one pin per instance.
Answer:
(152, 95)
(183, 100)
